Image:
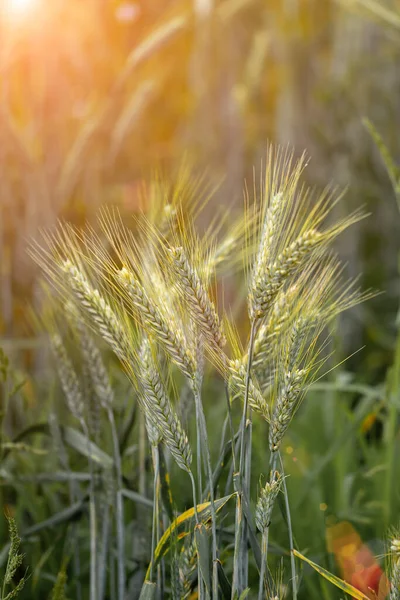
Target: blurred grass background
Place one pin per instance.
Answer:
(97, 95)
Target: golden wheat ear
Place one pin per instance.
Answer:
(291, 233)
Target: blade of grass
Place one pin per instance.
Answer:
(339, 583)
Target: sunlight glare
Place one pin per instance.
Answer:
(18, 9)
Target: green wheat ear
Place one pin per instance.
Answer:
(58, 592)
(13, 563)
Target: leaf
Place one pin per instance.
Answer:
(186, 518)
(224, 583)
(148, 591)
(203, 553)
(130, 115)
(392, 169)
(76, 159)
(79, 442)
(166, 494)
(342, 585)
(154, 42)
(135, 497)
(58, 592)
(16, 388)
(21, 447)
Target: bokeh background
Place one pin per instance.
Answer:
(95, 95)
(98, 95)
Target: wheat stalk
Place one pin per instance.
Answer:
(265, 504)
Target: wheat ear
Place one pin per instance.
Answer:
(68, 377)
(268, 239)
(198, 302)
(278, 319)
(395, 569)
(238, 381)
(158, 404)
(266, 287)
(101, 313)
(266, 501)
(292, 386)
(95, 365)
(170, 336)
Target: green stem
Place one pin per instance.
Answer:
(289, 522)
(237, 585)
(154, 538)
(264, 554)
(196, 517)
(390, 431)
(207, 458)
(198, 442)
(92, 520)
(246, 396)
(119, 516)
(230, 418)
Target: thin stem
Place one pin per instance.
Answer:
(154, 538)
(207, 459)
(104, 551)
(246, 395)
(198, 443)
(289, 522)
(237, 586)
(196, 516)
(246, 494)
(119, 508)
(264, 554)
(237, 572)
(160, 586)
(92, 520)
(230, 418)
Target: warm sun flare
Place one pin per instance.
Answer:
(18, 8)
